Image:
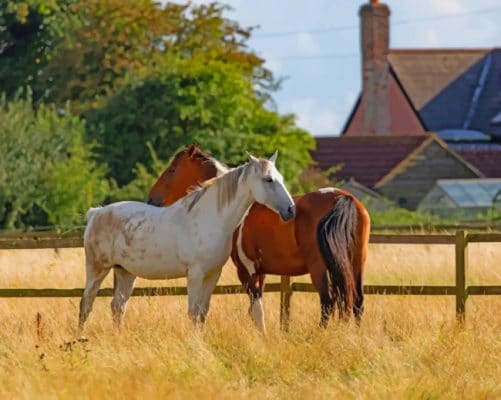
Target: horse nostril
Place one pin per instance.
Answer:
(150, 200)
(291, 209)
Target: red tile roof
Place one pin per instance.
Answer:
(486, 157)
(365, 158)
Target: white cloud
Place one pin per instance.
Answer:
(440, 6)
(306, 45)
(484, 31)
(318, 118)
(431, 38)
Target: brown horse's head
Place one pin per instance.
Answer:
(189, 168)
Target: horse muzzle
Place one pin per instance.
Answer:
(288, 213)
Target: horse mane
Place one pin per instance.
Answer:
(220, 167)
(226, 184)
(196, 152)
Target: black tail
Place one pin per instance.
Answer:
(336, 239)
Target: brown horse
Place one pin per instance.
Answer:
(328, 238)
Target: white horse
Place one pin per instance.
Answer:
(190, 238)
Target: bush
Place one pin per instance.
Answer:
(47, 175)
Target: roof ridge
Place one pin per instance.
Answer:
(443, 50)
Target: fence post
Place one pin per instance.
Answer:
(461, 269)
(285, 302)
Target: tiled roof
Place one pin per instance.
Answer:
(489, 102)
(452, 88)
(486, 157)
(364, 158)
(426, 72)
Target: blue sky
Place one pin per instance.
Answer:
(322, 69)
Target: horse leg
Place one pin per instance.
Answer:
(358, 262)
(359, 258)
(195, 291)
(320, 281)
(358, 307)
(94, 279)
(124, 284)
(253, 284)
(209, 283)
(255, 289)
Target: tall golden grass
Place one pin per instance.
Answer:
(406, 347)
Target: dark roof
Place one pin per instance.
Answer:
(462, 135)
(424, 73)
(485, 156)
(365, 158)
(452, 88)
(489, 102)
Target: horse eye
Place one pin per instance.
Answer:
(268, 179)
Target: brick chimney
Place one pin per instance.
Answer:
(374, 37)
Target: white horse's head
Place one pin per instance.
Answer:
(268, 187)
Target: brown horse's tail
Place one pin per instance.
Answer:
(336, 239)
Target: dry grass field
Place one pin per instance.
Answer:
(406, 347)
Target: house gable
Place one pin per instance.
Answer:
(452, 88)
(436, 89)
(409, 183)
(404, 118)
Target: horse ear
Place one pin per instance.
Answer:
(252, 158)
(192, 149)
(273, 158)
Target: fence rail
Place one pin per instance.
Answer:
(286, 288)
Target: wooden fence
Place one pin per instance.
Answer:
(44, 240)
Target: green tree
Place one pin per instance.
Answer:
(144, 178)
(73, 184)
(29, 32)
(46, 172)
(209, 102)
(106, 40)
(80, 50)
(141, 72)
